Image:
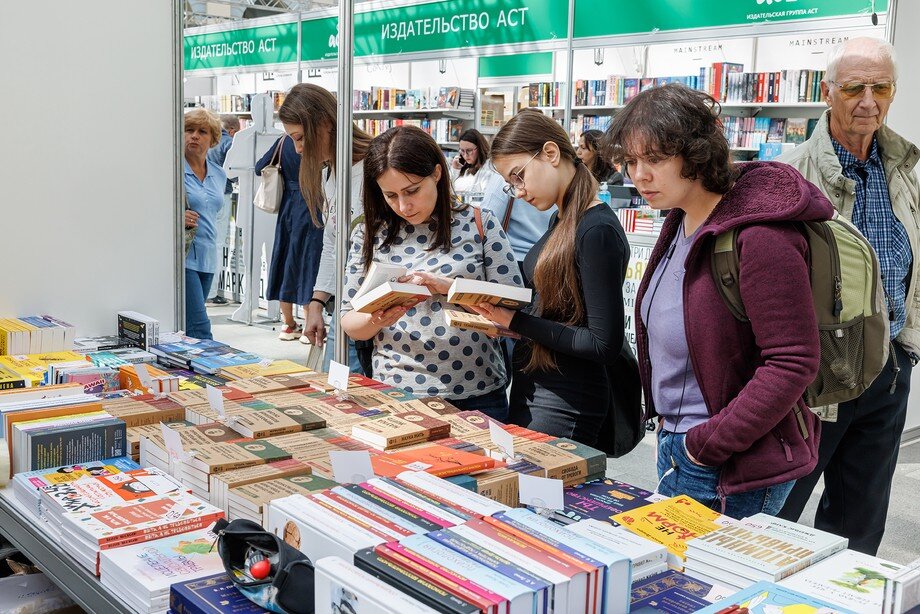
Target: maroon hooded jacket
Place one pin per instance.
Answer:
(752, 374)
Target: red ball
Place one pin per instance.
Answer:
(260, 569)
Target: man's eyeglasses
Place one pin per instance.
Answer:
(468, 152)
(516, 179)
(852, 89)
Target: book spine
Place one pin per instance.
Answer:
(174, 528)
(363, 512)
(408, 506)
(360, 520)
(426, 524)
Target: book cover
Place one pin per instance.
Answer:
(389, 294)
(661, 583)
(389, 432)
(103, 491)
(764, 547)
(795, 130)
(215, 594)
(601, 500)
(848, 579)
(768, 598)
(472, 292)
(342, 588)
(474, 321)
(434, 459)
(671, 523)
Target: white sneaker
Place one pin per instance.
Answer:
(305, 340)
(290, 333)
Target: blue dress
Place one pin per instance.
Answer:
(298, 243)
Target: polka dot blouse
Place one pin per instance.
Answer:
(420, 353)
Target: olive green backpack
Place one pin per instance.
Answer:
(850, 306)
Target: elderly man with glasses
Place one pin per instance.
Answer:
(867, 172)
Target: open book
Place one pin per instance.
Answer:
(380, 289)
(472, 292)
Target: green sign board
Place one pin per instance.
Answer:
(599, 18)
(259, 46)
(435, 26)
(517, 65)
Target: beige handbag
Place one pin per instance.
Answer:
(268, 196)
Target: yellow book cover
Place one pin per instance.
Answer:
(671, 523)
(34, 366)
(276, 367)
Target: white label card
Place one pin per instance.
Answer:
(173, 443)
(338, 375)
(351, 467)
(502, 439)
(144, 376)
(541, 492)
(216, 401)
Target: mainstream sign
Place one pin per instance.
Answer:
(436, 26)
(597, 18)
(258, 46)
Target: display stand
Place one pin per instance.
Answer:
(258, 227)
(75, 580)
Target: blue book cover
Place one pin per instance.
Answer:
(669, 601)
(211, 595)
(493, 561)
(769, 151)
(601, 500)
(769, 598)
(212, 364)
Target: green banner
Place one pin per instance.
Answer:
(599, 18)
(517, 65)
(434, 26)
(259, 46)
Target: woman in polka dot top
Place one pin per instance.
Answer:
(412, 219)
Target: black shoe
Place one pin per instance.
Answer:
(219, 300)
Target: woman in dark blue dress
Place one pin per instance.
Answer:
(298, 244)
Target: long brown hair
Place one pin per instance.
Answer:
(313, 108)
(409, 150)
(601, 168)
(556, 277)
(482, 150)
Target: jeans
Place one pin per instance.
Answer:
(197, 324)
(701, 483)
(493, 404)
(353, 364)
(222, 227)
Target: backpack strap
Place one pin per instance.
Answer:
(507, 219)
(477, 213)
(726, 272)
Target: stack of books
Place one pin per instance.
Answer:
(35, 335)
(222, 483)
(142, 574)
(251, 500)
(142, 330)
(760, 547)
(342, 587)
(87, 345)
(32, 368)
(648, 558)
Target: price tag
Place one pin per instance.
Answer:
(543, 493)
(351, 467)
(502, 439)
(173, 444)
(144, 376)
(338, 375)
(216, 401)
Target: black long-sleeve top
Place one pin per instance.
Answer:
(602, 256)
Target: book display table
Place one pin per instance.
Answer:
(25, 533)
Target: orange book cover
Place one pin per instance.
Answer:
(434, 459)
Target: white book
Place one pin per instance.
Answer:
(417, 502)
(849, 579)
(473, 291)
(317, 531)
(642, 552)
(389, 294)
(378, 274)
(342, 587)
(449, 491)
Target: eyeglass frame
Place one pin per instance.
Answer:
(468, 151)
(893, 84)
(509, 188)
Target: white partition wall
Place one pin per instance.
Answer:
(89, 160)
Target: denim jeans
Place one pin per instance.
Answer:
(197, 324)
(701, 483)
(353, 364)
(493, 404)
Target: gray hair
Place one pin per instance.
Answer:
(875, 48)
(230, 122)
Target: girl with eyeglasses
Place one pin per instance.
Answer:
(412, 219)
(575, 327)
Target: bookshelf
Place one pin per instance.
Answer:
(461, 114)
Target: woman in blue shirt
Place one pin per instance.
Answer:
(204, 193)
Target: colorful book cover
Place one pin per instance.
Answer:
(215, 594)
(434, 459)
(768, 598)
(849, 579)
(601, 500)
(652, 591)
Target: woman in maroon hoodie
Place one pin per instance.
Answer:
(726, 392)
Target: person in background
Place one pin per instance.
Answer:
(412, 219)
(230, 125)
(298, 242)
(309, 118)
(867, 172)
(575, 327)
(734, 433)
(602, 168)
(471, 174)
(204, 182)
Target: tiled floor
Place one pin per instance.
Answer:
(902, 538)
